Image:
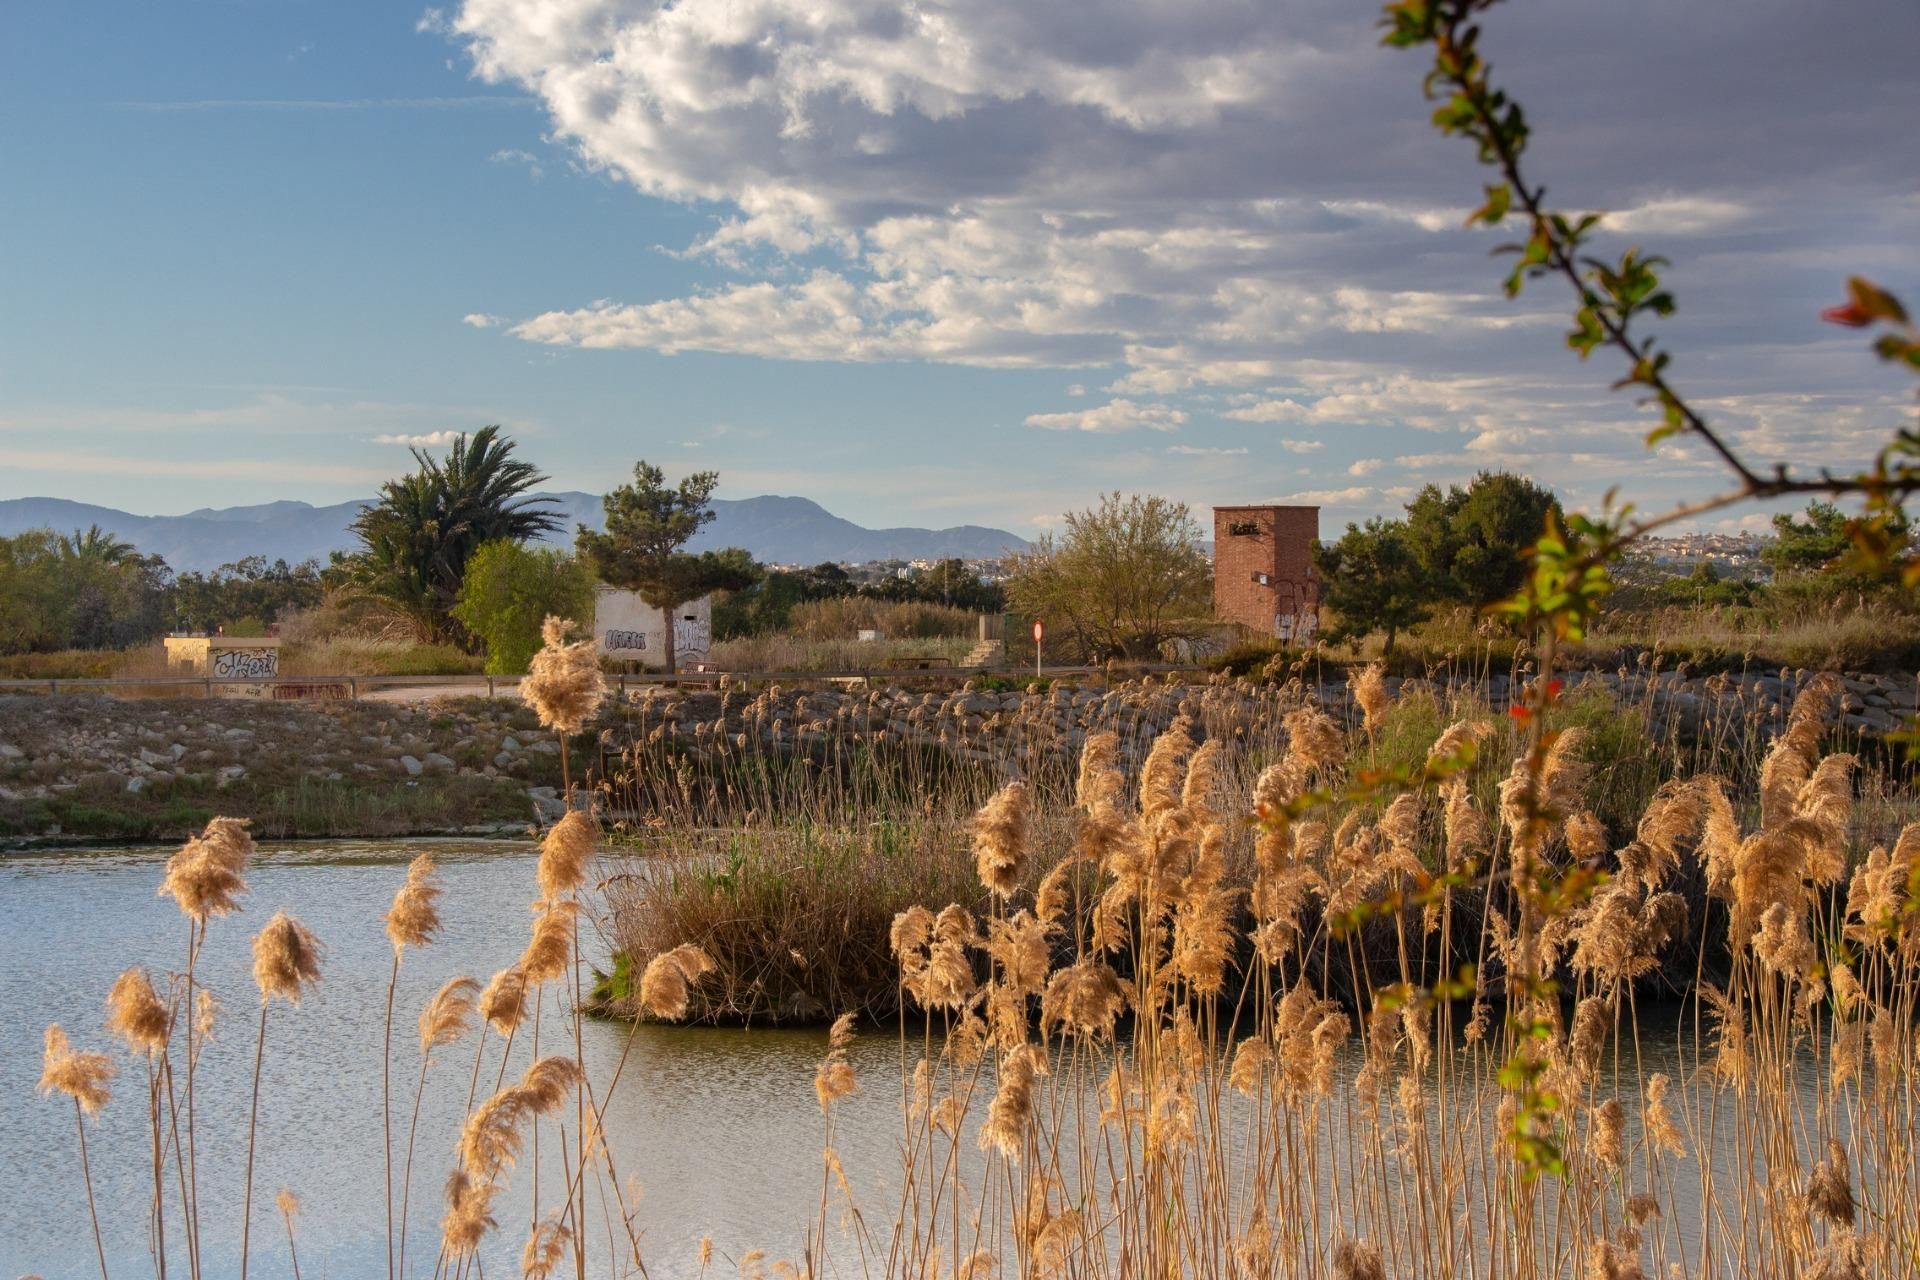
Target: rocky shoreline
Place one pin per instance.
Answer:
(487, 763)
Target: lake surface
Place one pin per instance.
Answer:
(719, 1128)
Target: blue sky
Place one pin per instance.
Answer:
(961, 263)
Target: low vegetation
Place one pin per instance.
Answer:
(1364, 1002)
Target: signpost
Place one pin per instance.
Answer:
(1039, 633)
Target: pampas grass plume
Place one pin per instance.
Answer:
(78, 1074)
(550, 950)
(414, 917)
(286, 959)
(1000, 838)
(449, 1013)
(137, 1014)
(205, 875)
(504, 1001)
(664, 983)
(565, 852)
(546, 1248)
(563, 683)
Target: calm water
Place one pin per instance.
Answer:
(719, 1128)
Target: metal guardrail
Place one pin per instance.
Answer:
(356, 684)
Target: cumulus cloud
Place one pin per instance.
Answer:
(1199, 451)
(1162, 191)
(482, 320)
(1114, 415)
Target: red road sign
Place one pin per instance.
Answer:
(1039, 630)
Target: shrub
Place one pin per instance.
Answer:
(510, 590)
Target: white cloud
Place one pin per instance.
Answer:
(1366, 466)
(1077, 389)
(1114, 415)
(421, 440)
(515, 156)
(1158, 191)
(1676, 215)
(1301, 446)
(1198, 451)
(482, 320)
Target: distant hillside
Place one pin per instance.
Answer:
(775, 529)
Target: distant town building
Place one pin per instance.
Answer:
(1263, 574)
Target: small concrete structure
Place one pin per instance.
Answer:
(1263, 576)
(247, 658)
(628, 629)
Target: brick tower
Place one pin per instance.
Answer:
(1263, 572)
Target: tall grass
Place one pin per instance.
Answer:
(1254, 993)
(846, 652)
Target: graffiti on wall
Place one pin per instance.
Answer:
(616, 640)
(690, 635)
(1296, 619)
(245, 664)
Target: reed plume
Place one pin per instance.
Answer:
(83, 1077)
(414, 917)
(504, 1001)
(1369, 688)
(78, 1074)
(286, 962)
(286, 959)
(137, 1014)
(1000, 838)
(834, 1079)
(1829, 1187)
(563, 684)
(289, 1206)
(665, 983)
(469, 1213)
(1357, 1260)
(1011, 1110)
(564, 853)
(448, 1014)
(206, 875)
(546, 1248)
(549, 952)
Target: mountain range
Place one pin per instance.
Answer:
(776, 530)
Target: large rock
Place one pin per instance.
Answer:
(412, 766)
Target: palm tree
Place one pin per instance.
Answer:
(418, 537)
(97, 546)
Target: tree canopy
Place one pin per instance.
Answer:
(510, 590)
(1121, 581)
(1373, 580)
(1473, 542)
(416, 540)
(648, 522)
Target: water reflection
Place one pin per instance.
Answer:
(718, 1130)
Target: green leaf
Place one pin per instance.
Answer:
(1499, 200)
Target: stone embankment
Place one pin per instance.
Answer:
(126, 751)
(133, 753)
(984, 722)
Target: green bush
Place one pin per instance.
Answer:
(510, 590)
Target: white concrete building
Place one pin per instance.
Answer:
(628, 629)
